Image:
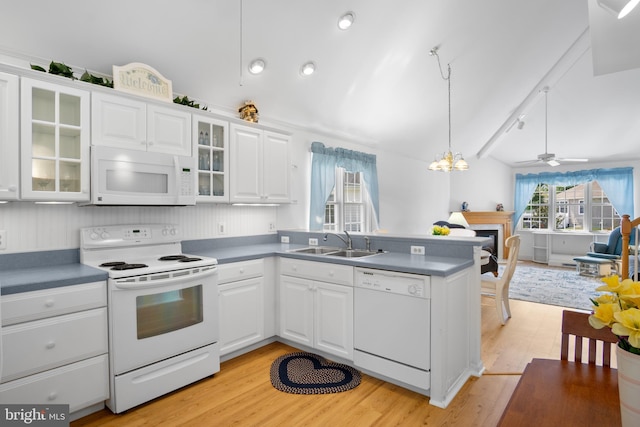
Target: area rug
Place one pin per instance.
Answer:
(308, 373)
(553, 286)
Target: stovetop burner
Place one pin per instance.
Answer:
(172, 257)
(126, 266)
(179, 258)
(112, 263)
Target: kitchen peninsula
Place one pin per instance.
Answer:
(451, 263)
(451, 266)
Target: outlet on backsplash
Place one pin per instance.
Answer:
(313, 242)
(284, 239)
(222, 228)
(417, 250)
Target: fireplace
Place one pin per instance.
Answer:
(488, 221)
(495, 246)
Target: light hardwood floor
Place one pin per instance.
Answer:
(241, 393)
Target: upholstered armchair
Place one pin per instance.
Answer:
(610, 250)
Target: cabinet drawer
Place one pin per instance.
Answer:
(27, 306)
(79, 385)
(36, 346)
(240, 271)
(321, 271)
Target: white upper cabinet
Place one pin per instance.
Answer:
(54, 142)
(119, 121)
(260, 165)
(9, 137)
(277, 167)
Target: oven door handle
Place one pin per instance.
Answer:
(160, 283)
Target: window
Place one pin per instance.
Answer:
(603, 215)
(536, 215)
(567, 202)
(581, 207)
(344, 190)
(348, 207)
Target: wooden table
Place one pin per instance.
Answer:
(561, 393)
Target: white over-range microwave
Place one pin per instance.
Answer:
(121, 177)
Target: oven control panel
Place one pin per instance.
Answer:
(127, 235)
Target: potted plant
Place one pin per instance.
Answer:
(618, 309)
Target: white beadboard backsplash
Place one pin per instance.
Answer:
(32, 227)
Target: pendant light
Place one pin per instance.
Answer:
(448, 161)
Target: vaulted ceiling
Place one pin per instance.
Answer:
(376, 82)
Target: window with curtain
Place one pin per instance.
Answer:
(582, 207)
(348, 207)
(587, 200)
(344, 190)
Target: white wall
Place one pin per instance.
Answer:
(486, 183)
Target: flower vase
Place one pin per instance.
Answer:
(629, 386)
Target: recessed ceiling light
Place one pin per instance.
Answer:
(346, 20)
(308, 68)
(257, 66)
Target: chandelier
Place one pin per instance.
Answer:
(448, 161)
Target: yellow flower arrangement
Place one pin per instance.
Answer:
(618, 310)
(438, 230)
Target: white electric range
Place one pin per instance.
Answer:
(163, 310)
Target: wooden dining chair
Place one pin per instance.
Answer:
(499, 286)
(576, 324)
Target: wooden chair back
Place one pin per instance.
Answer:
(576, 324)
(626, 227)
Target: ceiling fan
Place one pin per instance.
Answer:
(546, 157)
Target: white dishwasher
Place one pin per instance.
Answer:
(392, 325)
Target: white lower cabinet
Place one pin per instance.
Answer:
(242, 300)
(314, 311)
(54, 347)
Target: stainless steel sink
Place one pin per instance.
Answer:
(352, 253)
(316, 250)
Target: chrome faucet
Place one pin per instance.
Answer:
(346, 241)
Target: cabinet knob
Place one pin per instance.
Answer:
(52, 396)
(49, 303)
(331, 273)
(241, 271)
(294, 268)
(50, 345)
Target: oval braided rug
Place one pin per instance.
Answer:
(308, 373)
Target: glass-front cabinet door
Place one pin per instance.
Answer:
(55, 142)
(211, 145)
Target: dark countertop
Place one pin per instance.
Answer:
(25, 278)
